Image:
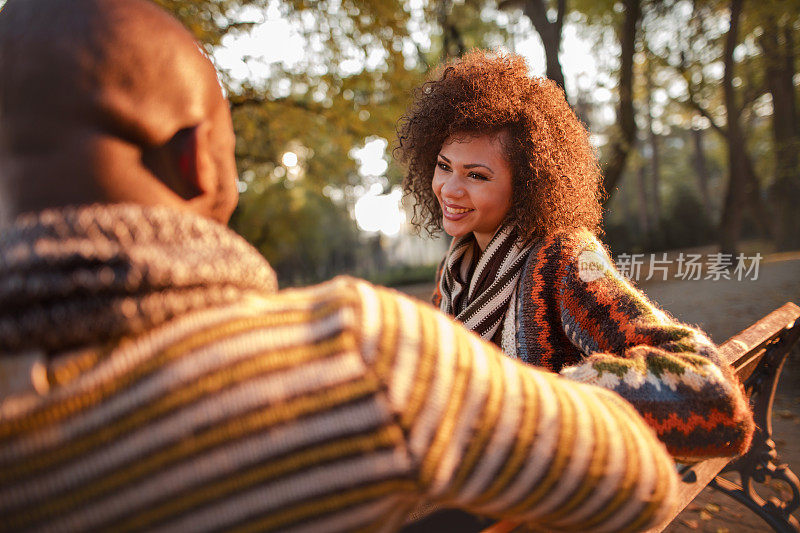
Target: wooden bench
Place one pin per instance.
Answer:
(757, 354)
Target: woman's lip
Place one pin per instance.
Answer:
(454, 212)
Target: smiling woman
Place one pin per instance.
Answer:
(499, 161)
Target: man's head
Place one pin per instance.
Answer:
(109, 101)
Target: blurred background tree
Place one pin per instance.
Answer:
(300, 126)
(692, 105)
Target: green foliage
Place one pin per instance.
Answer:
(317, 109)
(303, 235)
(320, 109)
(455, 27)
(319, 106)
(210, 20)
(404, 275)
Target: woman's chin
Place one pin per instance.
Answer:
(454, 232)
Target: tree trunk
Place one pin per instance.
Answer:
(761, 214)
(778, 45)
(624, 139)
(655, 156)
(701, 170)
(452, 40)
(627, 205)
(731, 223)
(550, 33)
(644, 210)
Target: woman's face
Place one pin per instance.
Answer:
(472, 182)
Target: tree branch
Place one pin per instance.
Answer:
(252, 99)
(536, 12)
(550, 34)
(505, 5)
(694, 104)
(623, 142)
(691, 99)
(562, 9)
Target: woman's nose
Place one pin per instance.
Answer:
(452, 188)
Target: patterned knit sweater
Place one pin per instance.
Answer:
(577, 315)
(170, 388)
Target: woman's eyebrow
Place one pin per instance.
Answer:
(471, 165)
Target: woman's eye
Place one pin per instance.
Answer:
(443, 166)
(480, 177)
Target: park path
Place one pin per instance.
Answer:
(722, 308)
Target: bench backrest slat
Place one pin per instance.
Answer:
(747, 342)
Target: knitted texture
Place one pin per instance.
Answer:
(578, 315)
(76, 276)
(476, 288)
(332, 408)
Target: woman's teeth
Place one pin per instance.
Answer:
(454, 211)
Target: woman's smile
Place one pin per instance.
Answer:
(455, 212)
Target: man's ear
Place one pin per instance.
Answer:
(178, 163)
(184, 145)
(184, 151)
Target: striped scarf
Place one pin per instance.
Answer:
(478, 295)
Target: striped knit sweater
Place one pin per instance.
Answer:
(577, 315)
(170, 388)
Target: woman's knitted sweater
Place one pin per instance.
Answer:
(577, 315)
(171, 388)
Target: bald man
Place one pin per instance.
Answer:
(95, 113)
(152, 378)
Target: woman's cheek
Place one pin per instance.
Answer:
(436, 185)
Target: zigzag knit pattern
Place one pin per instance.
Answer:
(590, 324)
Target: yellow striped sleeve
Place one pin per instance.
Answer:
(256, 416)
(336, 407)
(534, 448)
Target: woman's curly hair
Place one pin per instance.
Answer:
(556, 176)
